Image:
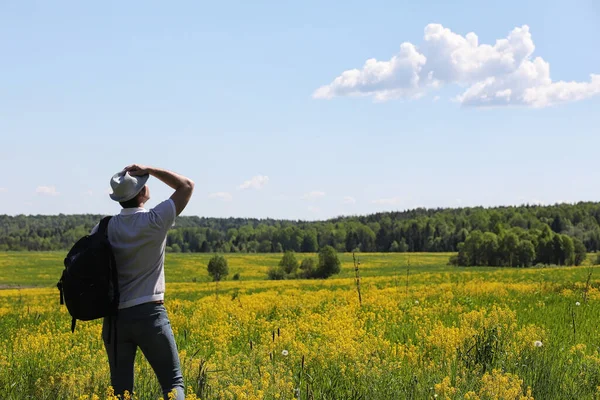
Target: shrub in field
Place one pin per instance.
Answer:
(218, 268)
(276, 274)
(307, 268)
(329, 263)
(286, 269)
(288, 263)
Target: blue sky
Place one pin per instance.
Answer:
(233, 92)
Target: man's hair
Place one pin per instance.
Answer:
(133, 203)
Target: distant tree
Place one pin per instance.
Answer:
(558, 224)
(205, 247)
(329, 263)
(558, 250)
(402, 246)
(568, 256)
(307, 268)
(252, 246)
(580, 252)
(264, 246)
(175, 247)
(508, 246)
(525, 253)
(310, 243)
(489, 251)
(288, 262)
(218, 267)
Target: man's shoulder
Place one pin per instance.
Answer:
(163, 214)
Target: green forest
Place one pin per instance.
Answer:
(482, 236)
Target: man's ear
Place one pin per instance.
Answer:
(140, 196)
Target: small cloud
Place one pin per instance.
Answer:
(314, 195)
(47, 190)
(436, 98)
(388, 201)
(349, 200)
(224, 196)
(256, 182)
(3, 190)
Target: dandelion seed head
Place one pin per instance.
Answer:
(284, 353)
(537, 343)
(577, 303)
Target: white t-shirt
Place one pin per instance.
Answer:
(138, 238)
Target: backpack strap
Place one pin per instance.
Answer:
(103, 228)
(112, 319)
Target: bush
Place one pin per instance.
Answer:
(307, 268)
(288, 263)
(329, 263)
(276, 274)
(218, 268)
(236, 277)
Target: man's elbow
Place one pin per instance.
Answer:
(190, 185)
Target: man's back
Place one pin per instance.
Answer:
(138, 238)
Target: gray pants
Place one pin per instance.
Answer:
(145, 326)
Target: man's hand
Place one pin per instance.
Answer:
(183, 186)
(137, 170)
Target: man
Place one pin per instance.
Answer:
(138, 238)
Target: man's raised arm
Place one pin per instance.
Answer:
(183, 186)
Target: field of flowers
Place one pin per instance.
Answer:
(424, 330)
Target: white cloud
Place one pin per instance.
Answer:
(221, 195)
(436, 98)
(256, 182)
(349, 200)
(3, 190)
(495, 75)
(47, 190)
(388, 201)
(397, 77)
(314, 195)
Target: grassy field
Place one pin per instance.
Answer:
(424, 330)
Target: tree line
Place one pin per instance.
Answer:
(519, 248)
(418, 230)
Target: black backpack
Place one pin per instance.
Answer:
(89, 284)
